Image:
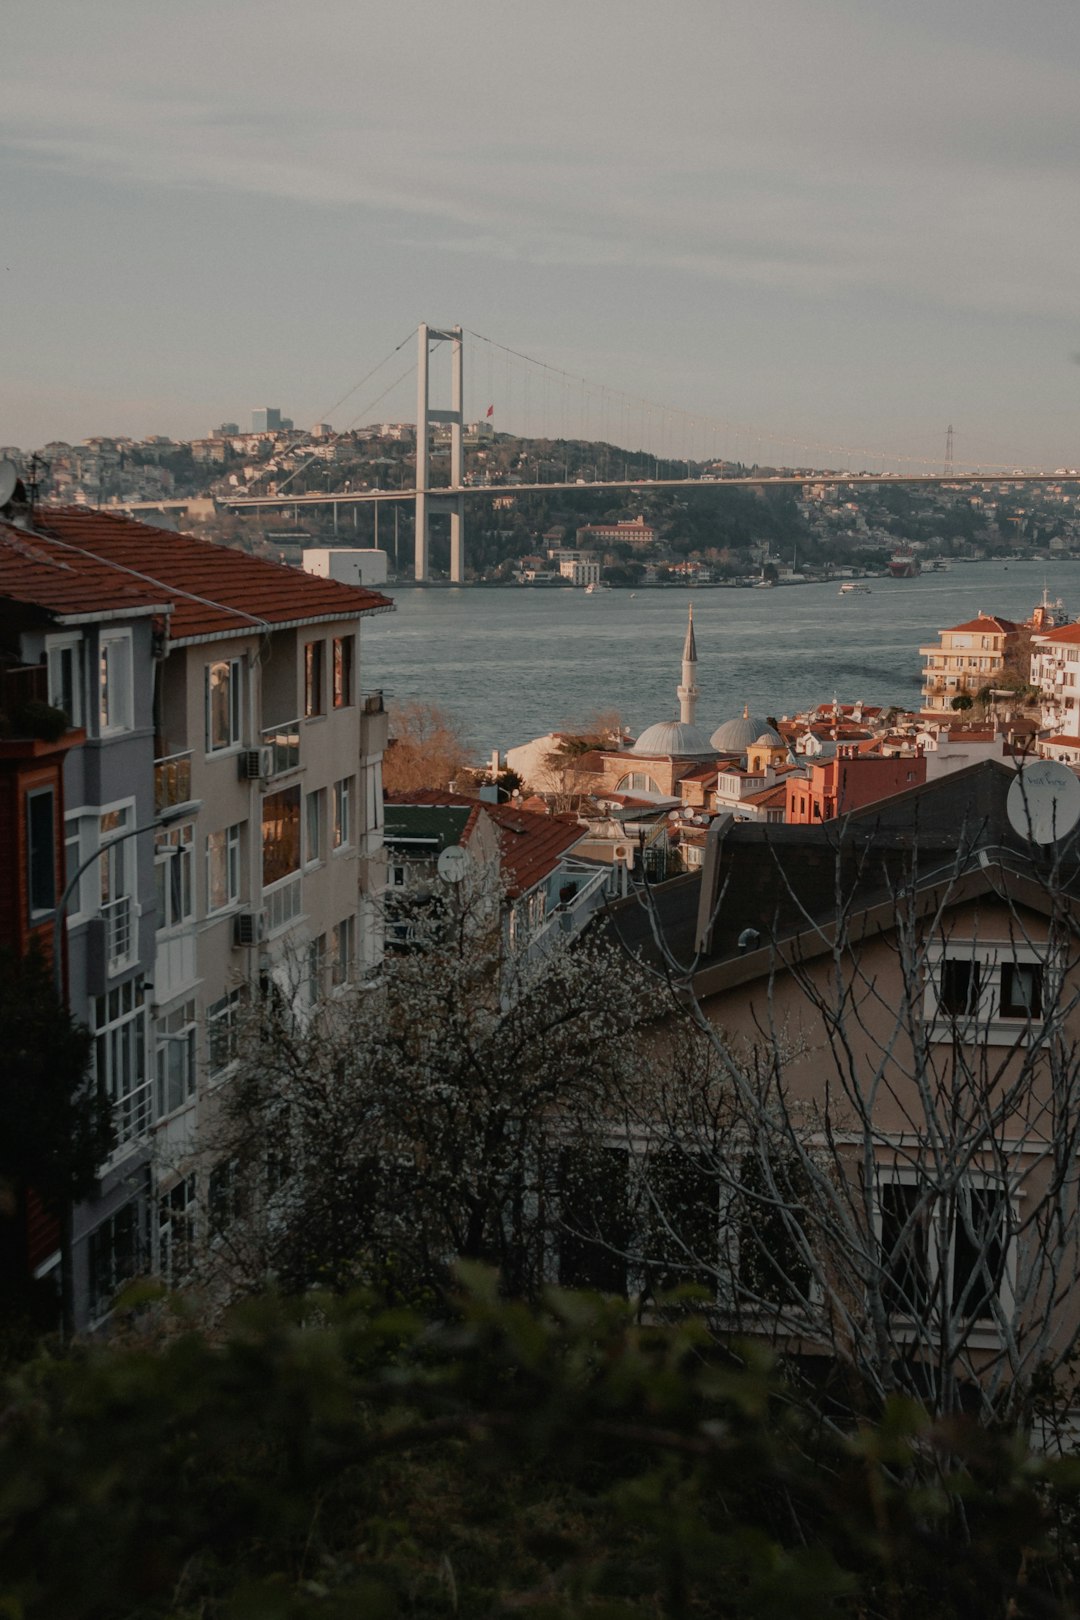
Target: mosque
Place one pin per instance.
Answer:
(674, 759)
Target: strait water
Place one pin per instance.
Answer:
(513, 663)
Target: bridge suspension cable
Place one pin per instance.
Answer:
(697, 427)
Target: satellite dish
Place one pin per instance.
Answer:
(9, 477)
(1044, 801)
(454, 862)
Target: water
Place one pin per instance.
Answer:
(514, 663)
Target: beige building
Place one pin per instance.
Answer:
(967, 658)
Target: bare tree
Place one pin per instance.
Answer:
(864, 1138)
(427, 748)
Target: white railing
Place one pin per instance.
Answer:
(117, 917)
(282, 903)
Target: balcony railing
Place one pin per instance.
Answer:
(283, 903)
(284, 744)
(371, 702)
(172, 781)
(117, 917)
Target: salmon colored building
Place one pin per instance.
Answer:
(848, 781)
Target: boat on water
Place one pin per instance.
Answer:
(903, 564)
(851, 589)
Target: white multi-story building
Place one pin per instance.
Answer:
(233, 685)
(967, 658)
(1055, 670)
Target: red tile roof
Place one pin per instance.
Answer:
(71, 585)
(215, 590)
(1069, 633)
(983, 622)
(530, 845)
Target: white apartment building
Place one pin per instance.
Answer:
(1055, 670)
(267, 855)
(967, 658)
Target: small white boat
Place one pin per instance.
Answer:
(853, 590)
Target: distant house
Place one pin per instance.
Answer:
(968, 657)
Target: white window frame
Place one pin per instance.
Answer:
(234, 742)
(314, 821)
(55, 649)
(121, 1064)
(230, 854)
(939, 1244)
(341, 955)
(174, 1044)
(177, 1223)
(174, 853)
(985, 1022)
(341, 829)
(115, 683)
(223, 1014)
(122, 864)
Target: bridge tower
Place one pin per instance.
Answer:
(453, 499)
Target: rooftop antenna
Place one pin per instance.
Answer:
(948, 468)
(36, 469)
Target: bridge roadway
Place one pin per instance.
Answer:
(363, 497)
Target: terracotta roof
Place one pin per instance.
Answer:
(1064, 742)
(37, 570)
(984, 621)
(1069, 633)
(530, 844)
(215, 590)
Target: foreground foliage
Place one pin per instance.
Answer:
(327, 1458)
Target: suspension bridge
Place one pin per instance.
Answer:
(547, 403)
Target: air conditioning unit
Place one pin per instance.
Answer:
(250, 764)
(249, 928)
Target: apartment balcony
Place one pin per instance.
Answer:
(281, 745)
(172, 781)
(283, 903)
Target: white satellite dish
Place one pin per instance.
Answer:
(1044, 801)
(9, 477)
(453, 863)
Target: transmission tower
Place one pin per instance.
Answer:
(948, 467)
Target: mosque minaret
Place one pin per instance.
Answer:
(688, 690)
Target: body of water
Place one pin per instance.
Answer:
(514, 663)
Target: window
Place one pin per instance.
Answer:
(342, 830)
(223, 868)
(342, 951)
(959, 992)
(595, 1219)
(395, 875)
(116, 869)
(175, 1054)
(344, 649)
(314, 810)
(774, 1268)
(73, 858)
(116, 1252)
(222, 1030)
(64, 659)
(316, 968)
(114, 683)
(174, 851)
(224, 709)
(280, 834)
(943, 1256)
(314, 658)
(118, 1022)
(1021, 990)
(41, 850)
(176, 1231)
(224, 1197)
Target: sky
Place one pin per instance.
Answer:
(813, 233)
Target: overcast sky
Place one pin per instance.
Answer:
(836, 222)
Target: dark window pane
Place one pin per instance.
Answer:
(41, 838)
(683, 1220)
(771, 1216)
(1021, 990)
(905, 1254)
(959, 986)
(978, 1220)
(595, 1219)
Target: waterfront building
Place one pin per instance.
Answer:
(634, 532)
(967, 658)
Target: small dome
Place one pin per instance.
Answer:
(768, 739)
(736, 736)
(672, 739)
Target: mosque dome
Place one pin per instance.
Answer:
(673, 739)
(736, 736)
